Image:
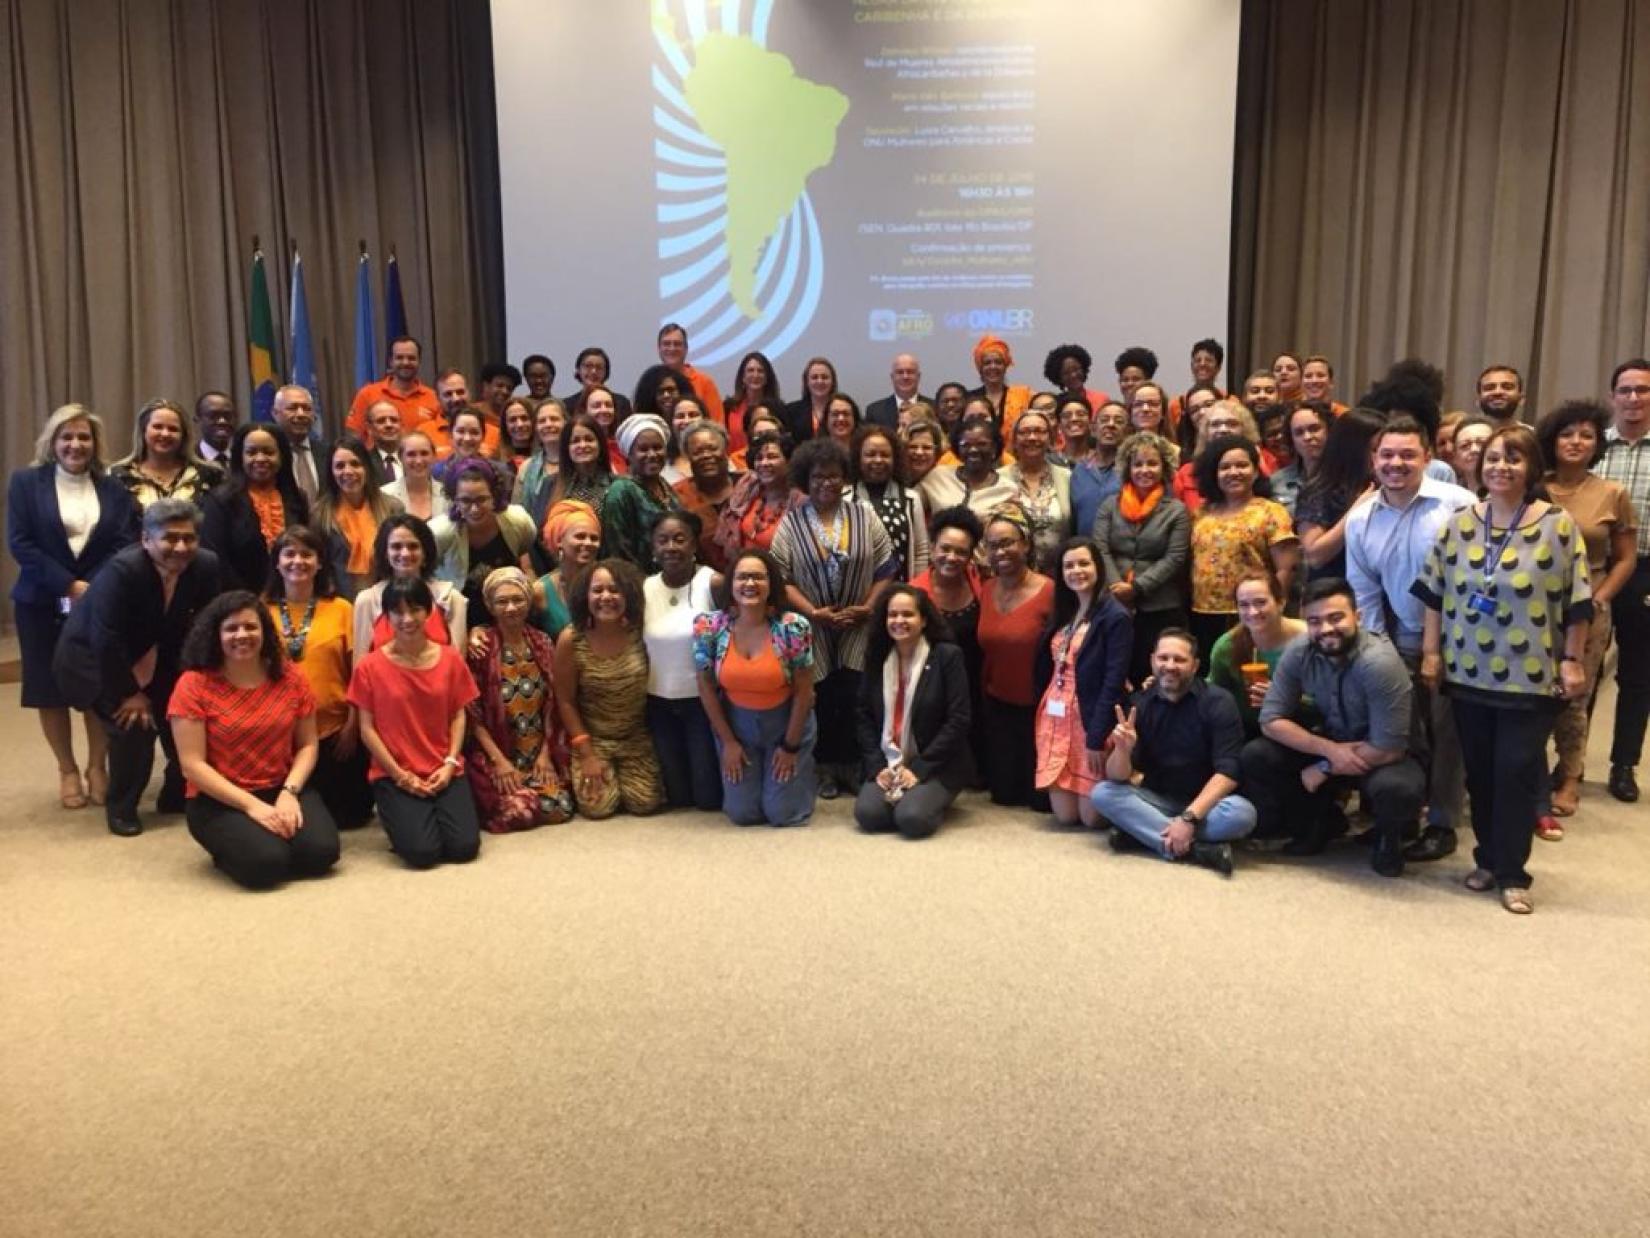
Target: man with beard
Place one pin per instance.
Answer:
(1360, 687)
(1387, 543)
(1185, 737)
(120, 649)
(401, 387)
(1501, 394)
(453, 391)
(1260, 392)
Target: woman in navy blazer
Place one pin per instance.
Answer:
(914, 718)
(1078, 674)
(64, 517)
(233, 525)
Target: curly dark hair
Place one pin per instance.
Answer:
(688, 520)
(646, 399)
(762, 438)
(1572, 413)
(815, 454)
(381, 545)
(964, 519)
(626, 576)
(879, 644)
(1207, 467)
(865, 434)
(1213, 348)
(1141, 358)
(309, 539)
(777, 581)
(1057, 358)
(203, 647)
(976, 422)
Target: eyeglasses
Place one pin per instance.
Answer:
(1641, 392)
(475, 500)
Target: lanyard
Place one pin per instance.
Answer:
(1493, 552)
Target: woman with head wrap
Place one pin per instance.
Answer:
(573, 537)
(993, 358)
(517, 758)
(633, 503)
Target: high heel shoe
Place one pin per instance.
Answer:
(97, 785)
(71, 792)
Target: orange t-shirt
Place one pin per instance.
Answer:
(754, 683)
(417, 406)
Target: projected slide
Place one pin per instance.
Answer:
(856, 178)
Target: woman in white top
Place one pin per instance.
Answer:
(405, 549)
(419, 493)
(681, 589)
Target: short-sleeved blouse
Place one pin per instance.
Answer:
(1226, 545)
(1538, 587)
(1601, 509)
(791, 634)
(1009, 642)
(249, 731)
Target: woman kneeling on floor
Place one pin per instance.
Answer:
(914, 718)
(410, 695)
(244, 722)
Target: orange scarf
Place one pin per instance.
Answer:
(1136, 506)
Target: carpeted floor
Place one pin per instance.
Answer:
(675, 1026)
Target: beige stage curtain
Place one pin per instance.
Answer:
(1463, 180)
(147, 141)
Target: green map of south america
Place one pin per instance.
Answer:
(774, 128)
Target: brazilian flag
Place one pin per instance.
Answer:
(260, 343)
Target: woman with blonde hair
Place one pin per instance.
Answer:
(64, 517)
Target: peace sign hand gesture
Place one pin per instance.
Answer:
(1124, 735)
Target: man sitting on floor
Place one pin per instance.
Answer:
(1186, 737)
(1359, 684)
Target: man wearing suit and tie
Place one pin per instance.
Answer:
(907, 378)
(385, 420)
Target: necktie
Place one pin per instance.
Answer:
(389, 465)
(303, 468)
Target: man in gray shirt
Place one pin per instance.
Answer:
(1359, 685)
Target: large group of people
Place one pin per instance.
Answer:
(1190, 617)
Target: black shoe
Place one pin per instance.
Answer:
(1122, 840)
(1217, 856)
(1305, 844)
(169, 801)
(828, 790)
(1623, 785)
(1435, 843)
(1387, 858)
(126, 827)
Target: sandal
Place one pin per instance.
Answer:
(1480, 880)
(71, 792)
(1517, 901)
(97, 785)
(1550, 828)
(1566, 798)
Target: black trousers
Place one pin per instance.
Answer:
(1011, 754)
(342, 782)
(132, 759)
(1283, 807)
(687, 753)
(1209, 627)
(426, 832)
(1631, 616)
(836, 705)
(1505, 754)
(250, 854)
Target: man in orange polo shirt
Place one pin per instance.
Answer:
(400, 387)
(452, 389)
(673, 349)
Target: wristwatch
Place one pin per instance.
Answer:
(453, 761)
(1191, 818)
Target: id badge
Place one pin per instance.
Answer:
(1482, 605)
(1057, 708)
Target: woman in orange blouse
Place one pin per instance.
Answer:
(348, 512)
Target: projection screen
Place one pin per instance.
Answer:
(859, 178)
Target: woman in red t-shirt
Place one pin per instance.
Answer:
(410, 695)
(244, 722)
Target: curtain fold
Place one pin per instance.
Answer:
(1464, 180)
(150, 140)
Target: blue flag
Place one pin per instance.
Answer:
(368, 363)
(303, 348)
(395, 309)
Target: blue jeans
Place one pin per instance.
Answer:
(758, 798)
(1144, 815)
